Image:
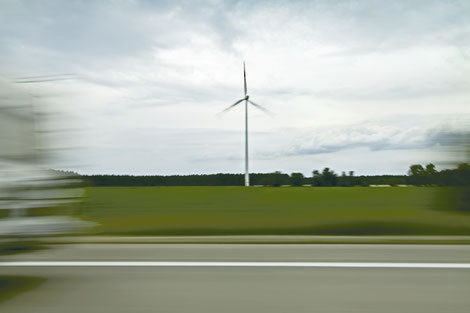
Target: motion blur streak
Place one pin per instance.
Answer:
(29, 188)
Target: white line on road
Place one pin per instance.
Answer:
(232, 264)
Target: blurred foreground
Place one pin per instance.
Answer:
(27, 181)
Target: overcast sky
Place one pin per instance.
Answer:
(369, 86)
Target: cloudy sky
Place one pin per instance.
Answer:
(370, 86)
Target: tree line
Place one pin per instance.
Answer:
(418, 175)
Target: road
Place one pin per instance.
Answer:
(243, 289)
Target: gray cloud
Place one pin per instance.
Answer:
(377, 136)
(394, 93)
(93, 31)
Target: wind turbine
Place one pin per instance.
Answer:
(247, 100)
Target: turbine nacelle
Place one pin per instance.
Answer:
(247, 98)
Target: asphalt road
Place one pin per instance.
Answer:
(244, 289)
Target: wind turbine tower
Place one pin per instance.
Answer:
(247, 100)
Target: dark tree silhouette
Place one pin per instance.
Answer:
(297, 179)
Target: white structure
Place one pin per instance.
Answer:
(25, 182)
(247, 100)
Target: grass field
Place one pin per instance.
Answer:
(10, 286)
(265, 210)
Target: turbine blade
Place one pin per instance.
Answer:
(43, 78)
(262, 108)
(39, 80)
(244, 78)
(230, 107)
(68, 75)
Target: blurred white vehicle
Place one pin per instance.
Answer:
(25, 181)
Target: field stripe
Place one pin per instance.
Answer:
(231, 264)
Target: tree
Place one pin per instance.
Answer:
(297, 179)
(329, 177)
(275, 179)
(352, 180)
(344, 180)
(325, 178)
(316, 178)
(417, 174)
(430, 169)
(416, 170)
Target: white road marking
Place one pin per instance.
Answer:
(231, 264)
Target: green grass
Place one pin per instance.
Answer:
(10, 286)
(265, 210)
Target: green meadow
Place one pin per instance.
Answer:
(271, 211)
